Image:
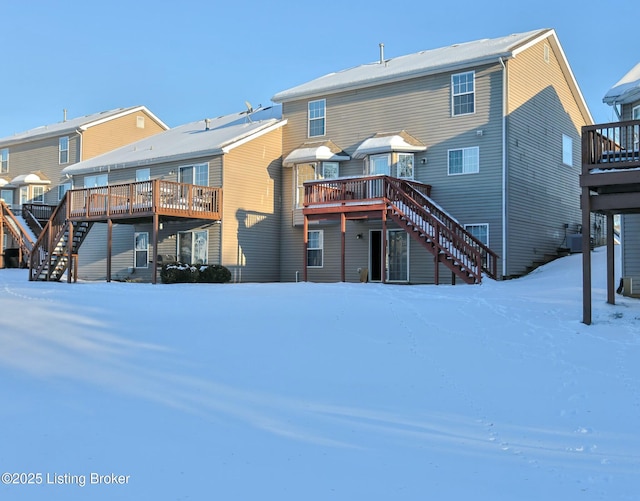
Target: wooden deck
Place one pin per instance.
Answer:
(610, 183)
(145, 199)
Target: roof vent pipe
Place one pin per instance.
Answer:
(381, 53)
(207, 123)
(64, 115)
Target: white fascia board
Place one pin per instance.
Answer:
(124, 113)
(252, 136)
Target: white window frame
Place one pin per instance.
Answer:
(137, 250)
(300, 179)
(62, 189)
(372, 160)
(413, 165)
(470, 227)
(567, 150)
(388, 257)
(460, 89)
(4, 160)
(330, 170)
(468, 154)
(96, 181)
(199, 174)
(196, 236)
(316, 114)
(8, 199)
(24, 195)
(143, 174)
(635, 113)
(63, 150)
(318, 248)
(39, 198)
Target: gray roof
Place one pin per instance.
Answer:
(207, 137)
(75, 124)
(427, 62)
(627, 90)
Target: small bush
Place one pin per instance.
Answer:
(180, 273)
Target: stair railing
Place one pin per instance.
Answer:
(19, 232)
(48, 239)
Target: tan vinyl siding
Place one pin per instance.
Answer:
(422, 107)
(543, 193)
(115, 133)
(251, 209)
(92, 256)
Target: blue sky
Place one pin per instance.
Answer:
(195, 59)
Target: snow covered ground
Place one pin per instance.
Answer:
(319, 391)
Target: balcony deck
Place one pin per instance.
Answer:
(144, 199)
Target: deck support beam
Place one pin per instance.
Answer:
(305, 247)
(2, 239)
(343, 230)
(154, 236)
(586, 256)
(383, 261)
(611, 269)
(109, 247)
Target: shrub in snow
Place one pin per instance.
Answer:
(180, 273)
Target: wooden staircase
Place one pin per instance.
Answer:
(438, 232)
(58, 244)
(12, 225)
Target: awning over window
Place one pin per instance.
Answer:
(386, 142)
(32, 178)
(324, 151)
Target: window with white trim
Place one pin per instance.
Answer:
(143, 174)
(7, 196)
(63, 150)
(404, 166)
(317, 111)
(194, 174)
(635, 113)
(96, 181)
(4, 160)
(463, 93)
(464, 161)
(141, 249)
(37, 194)
(315, 248)
(193, 247)
(330, 170)
(480, 231)
(567, 150)
(62, 189)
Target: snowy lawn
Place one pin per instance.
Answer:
(319, 391)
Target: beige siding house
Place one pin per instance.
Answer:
(160, 190)
(404, 169)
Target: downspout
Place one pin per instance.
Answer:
(504, 167)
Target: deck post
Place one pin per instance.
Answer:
(154, 236)
(586, 256)
(2, 236)
(343, 230)
(305, 239)
(611, 296)
(109, 243)
(70, 252)
(383, 261)
(436, 270)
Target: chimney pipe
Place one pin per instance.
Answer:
(381, 53)
(64, 115)
(207, 123)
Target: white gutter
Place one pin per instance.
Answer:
(504, 167)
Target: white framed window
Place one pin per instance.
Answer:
(635, 113)
(404, 166)
(317, 112)
(38, 194)
(480, 231)
(463, 93)
(397, 256)
(140, 122)
(141, 249)
(193, 247)
(315, 248)
(194, 174)
(379, 165)
(62, 189)
(96, 181)
(143, 174)
(63, 150)
(4, 160)
(330, 170)
(567, 150)
(24, 194)
(464, 161)
(7, 196)
(303, 173)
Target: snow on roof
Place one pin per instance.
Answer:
(75, 124)
(32, 178)
(205, 137)
(413, 65)
(385, 142)
(626, 90)
(314, 152)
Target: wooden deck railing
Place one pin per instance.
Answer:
(49, 238)
(17, 231)
(611, 146)
(145, 198)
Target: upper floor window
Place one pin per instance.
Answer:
(194, 174)
(4, 160)
(463, 93)
(405, 165)
(464, 161)
(317, 110)
(38, 195)
(567, 150)
(635, 113)
(312, 172)
(63, 149)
